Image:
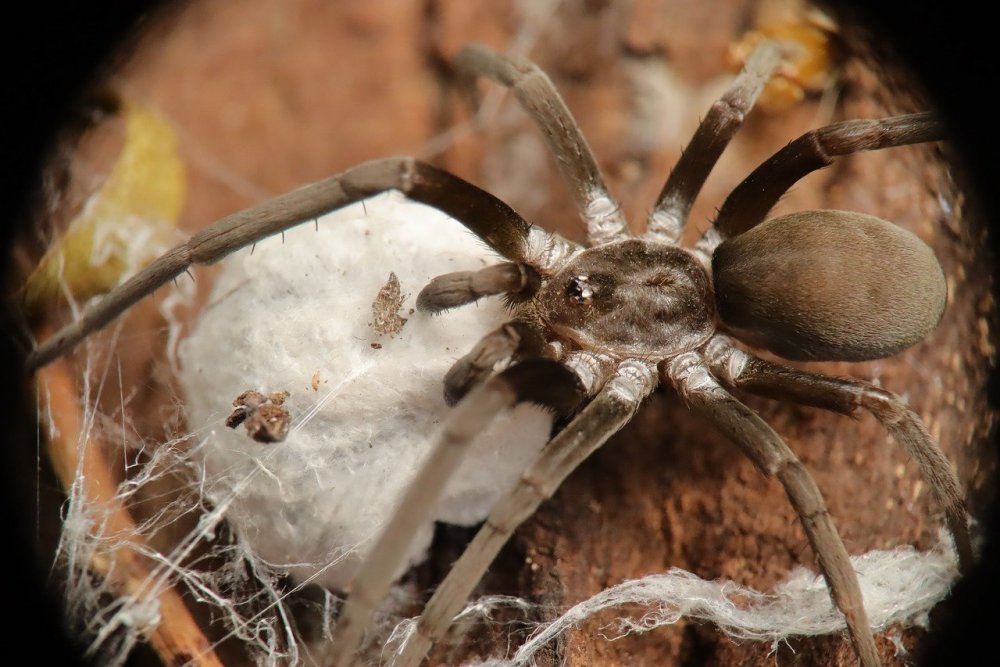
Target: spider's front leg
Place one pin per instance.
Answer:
(477, 396)
(613, 407)
(745, 371)
(541, 381)
(690, 374)
(490, 219)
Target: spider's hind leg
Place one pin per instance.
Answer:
(748, 204)
(846, 396)
(771, 455)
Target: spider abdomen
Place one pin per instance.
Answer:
(829, 285)
(631, 298)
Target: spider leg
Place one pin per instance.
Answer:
(843, 395)
(512, 338)
(765, 448)
(541, 381)
(457, 289)
(611, 409)
(748, 204)
(719, 126)
(538, 97)
(485, 215)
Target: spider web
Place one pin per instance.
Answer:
(189, 544)
(900, 587)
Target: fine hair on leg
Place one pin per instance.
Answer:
(512, 339)
(540, 381)
(845, 396)
(714, 133)
(576, 162)
(611, 409)
(772, 456)
(749, 202)
(519, 281)
(487, 217)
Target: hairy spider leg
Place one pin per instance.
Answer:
(539, 98)
(745, 371)
(749, 202)
(612, 408)
(723, 120)
(483, 214)
(689, 374)
(511, 340)
(542, 381)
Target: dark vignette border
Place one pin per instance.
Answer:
(51, 50)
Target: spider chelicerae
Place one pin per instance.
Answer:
(594, 330)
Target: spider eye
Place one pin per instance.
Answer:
(579, 290)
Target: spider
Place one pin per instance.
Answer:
(594, 329)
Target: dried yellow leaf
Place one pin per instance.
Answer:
(808, 62)
(124, 225)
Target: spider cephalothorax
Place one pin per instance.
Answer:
(594, 330)
(630, 298)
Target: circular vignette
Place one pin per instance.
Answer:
(948, 49)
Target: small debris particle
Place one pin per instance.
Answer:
(266, 418)
(245, 404)
(376, 346)
(385, 308)
(268, 423)
(315, 381)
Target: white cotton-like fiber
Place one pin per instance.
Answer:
(899, 586)
(295, 315)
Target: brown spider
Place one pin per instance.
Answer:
(593, 330)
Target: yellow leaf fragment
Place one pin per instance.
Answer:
(124, 225)
(807, 66)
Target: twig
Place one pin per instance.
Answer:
(177, 639)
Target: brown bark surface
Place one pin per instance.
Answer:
(268, 95)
